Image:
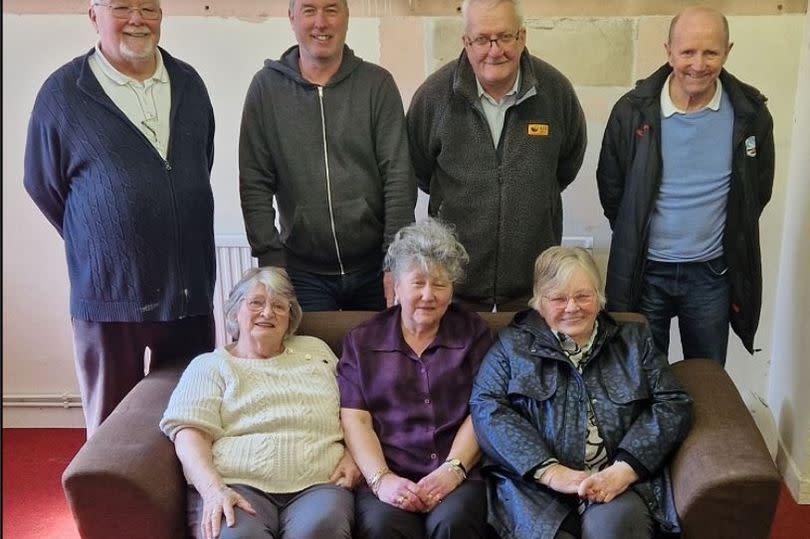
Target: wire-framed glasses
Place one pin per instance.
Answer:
(484, 43)
(560, 301)
(149, 12)
(258, 304)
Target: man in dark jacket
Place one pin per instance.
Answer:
(685, 170)
(495, 137)
(324, 133)
(118, 158)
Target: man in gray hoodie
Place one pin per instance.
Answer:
(495, 137)
(324, 133)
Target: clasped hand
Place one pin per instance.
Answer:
(601, 487)
(422, 496)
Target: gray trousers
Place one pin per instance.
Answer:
(318, 512)
(110, 357)
(462, 514)
(626, 517)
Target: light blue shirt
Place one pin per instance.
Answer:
(688, 221)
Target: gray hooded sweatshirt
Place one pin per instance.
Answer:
(336, 159)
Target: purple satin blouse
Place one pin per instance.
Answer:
(416, 404)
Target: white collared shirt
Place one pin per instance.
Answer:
(496, 112)
(668, 108)
(147, 104)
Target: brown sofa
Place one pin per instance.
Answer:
(126, 482)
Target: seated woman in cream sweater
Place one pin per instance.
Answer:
(256, 425)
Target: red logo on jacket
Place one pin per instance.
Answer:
(643, 130)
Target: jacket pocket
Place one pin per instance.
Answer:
(359, 229)
(538, 386)
(309, 235)
(624, 392)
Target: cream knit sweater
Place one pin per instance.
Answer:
(275, 422)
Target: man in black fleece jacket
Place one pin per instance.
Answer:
(323, 132)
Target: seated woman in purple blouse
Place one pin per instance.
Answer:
(405, 380)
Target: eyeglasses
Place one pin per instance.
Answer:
(149, 12)
(561, 302)
(259, 304)
(484, 43)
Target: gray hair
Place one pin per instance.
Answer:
(276, 282)
(465, 6)
(554, 268)
(427, 244)
(292, 4)
(96, 2)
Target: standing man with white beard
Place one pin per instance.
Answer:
(118, 159)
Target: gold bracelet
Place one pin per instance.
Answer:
(456, 467)
(376, 479)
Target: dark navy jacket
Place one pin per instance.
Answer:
(529, 404)
(138, 229)
(629, 178)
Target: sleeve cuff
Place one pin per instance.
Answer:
(623, 456)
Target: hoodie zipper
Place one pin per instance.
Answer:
(328, 182)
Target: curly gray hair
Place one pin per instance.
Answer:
(276, 282)
(427, 244)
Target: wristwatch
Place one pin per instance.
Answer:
(458, 467)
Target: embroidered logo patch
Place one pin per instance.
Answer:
(751, 146)
(538, 130)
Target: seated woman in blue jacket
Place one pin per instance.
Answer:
(578, 415)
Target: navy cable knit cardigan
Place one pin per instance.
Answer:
(138, 229)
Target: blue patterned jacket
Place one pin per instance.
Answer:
(528, 405)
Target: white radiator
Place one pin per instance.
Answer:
(233, 259)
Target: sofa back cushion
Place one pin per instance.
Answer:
(332, 326)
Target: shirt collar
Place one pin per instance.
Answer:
(160, 74)
(513, 91)
(571, 349)
(391, 338)
(668, 108)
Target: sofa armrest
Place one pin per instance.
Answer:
(126, 480)
(724, 480)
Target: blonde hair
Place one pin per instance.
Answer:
(554, 268)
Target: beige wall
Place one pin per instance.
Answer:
(602, 51)
(790, 369)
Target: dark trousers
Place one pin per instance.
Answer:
(626, 517)
(110, 357)
(462, 514)
(318, 512)
(360, 290)
(698, 293)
